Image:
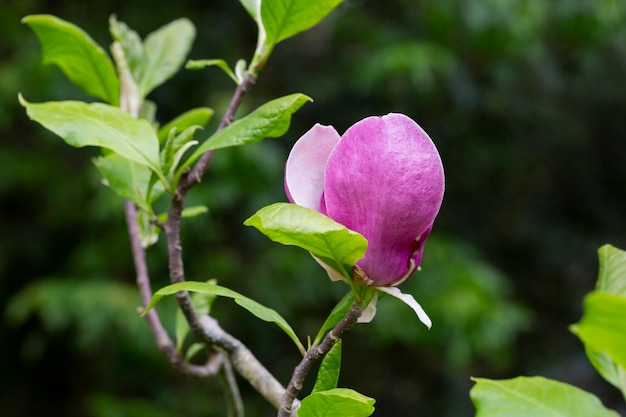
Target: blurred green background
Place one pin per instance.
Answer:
(526, 101)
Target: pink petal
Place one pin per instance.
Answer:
(385, 180)
(304, 171)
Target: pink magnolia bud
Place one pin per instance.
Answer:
(383, 178)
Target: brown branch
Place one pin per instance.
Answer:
(163, 341)
(232, 396)
(193, 177)
(314, 354)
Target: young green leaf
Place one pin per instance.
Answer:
(260, 311)
(338, 402)
(127, 178)
(194, 117)
(164, 52)
(175, 146)
(80, 124)
(192, 211)
(331, 242)
(278, 20)
(193, 64)
(80, 58)
(612, 274)
(251, 7)
(283, 19)
(606, 366)
(130, 41)
(534, 396)
(271, 120)
(335, 316)
(603, 326)
(328, 374)
(202, 303)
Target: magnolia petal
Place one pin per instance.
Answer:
(304, 171)
(410, 301)
(385, 180)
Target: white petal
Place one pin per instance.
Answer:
(410, 301)
(370, 311)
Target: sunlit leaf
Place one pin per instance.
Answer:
(271, 120)
(612, 274)
(331, 242)
(534, 397)
(126, 178)
(193, 64)
(202, 303)
(194, 117)
(283, 19)
(338, 402)
(80, 58)
(335, 316)
(606, 366)
(80, 124)
(260, 311)
(603, 326)
(130, 41)
(328, 373)
(164, 52)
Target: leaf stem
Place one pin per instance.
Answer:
(314, 354)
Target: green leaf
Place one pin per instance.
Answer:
(603, 326)
(194, 117)
(126, 178)
(202, 303)
(80, 124)
(335, 316)
(612, 274)
(187, 212)
(260, 311)
(534, 397)
(130, 41)
(193, 64)
(193, 350)
(331, 242)
(164, 52)
(175, 147)
(80, 58)
(271, 120)
(328, 374)
(606, 366)
(251, 7)
(338, 402)
(283, 19)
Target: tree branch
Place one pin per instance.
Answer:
(314, 354)
(163, 341)
(230, 389)
(193, 177)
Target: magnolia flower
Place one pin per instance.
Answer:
(384, 179)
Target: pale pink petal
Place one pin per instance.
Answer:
(409, 300)
(304, 171)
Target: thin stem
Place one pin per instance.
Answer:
(314, 354)
(230, 388)
(163, 341)
(193, 177)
